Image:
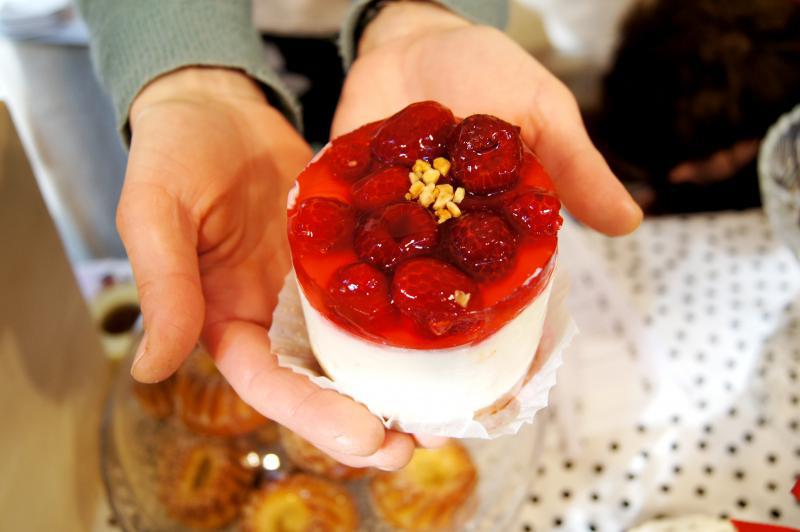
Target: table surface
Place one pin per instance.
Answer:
(680, 395)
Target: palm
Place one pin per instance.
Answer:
(376, 86)
(474, 69)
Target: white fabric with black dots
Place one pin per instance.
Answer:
(680, 396)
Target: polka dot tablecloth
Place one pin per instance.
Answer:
(681, 394)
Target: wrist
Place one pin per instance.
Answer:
(406, 18)
(197, 84)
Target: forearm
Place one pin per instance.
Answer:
(135, 42)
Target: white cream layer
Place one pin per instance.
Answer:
(433, 385)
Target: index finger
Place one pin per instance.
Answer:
(324, 417)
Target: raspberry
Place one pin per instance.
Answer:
(486, 153)
(535, 213)
(350, 154)
(381, 188)
(359, 292)
(396, 233)
(424, 290)
(322, 224)
(420, 131)
(482, 244)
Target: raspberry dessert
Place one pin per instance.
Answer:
(423, 247)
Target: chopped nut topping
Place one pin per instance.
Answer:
(442, 198)
(443, 215)
(430, 177)
(441, 164)
(420, 167)
(462, 298)
(453, 209)
(428, 195)
(416, 189)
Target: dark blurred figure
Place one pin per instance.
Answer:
(692, 89)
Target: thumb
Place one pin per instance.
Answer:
(553, 128)
(160, 240)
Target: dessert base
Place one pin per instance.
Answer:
(428, 385)
(520, 400)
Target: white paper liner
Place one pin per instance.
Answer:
(291, 345)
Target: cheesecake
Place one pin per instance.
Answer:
(423, 247)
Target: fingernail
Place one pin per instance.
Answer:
(140, 351)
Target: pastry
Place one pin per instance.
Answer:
(312, 460)
(207, 404)
(433, 492)
(156, 399)
(300, 503)
(204, 485)
(423, 248)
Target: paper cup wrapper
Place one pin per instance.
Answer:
(291, 345)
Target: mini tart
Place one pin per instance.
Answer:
(431, 493)
(300, 503)
(312, 460)
(156, 399)
(207, 404)
(204, 485)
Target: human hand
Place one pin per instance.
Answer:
(202, 216)
(416, 51)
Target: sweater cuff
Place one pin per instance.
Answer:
(488, 12)
(135, 42)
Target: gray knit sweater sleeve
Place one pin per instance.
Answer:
(135, 41)
(489, 12)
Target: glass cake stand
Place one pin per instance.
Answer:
(132, 441)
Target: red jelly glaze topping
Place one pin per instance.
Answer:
(423, 290)
(360, 292)
(420, 131)
(486, 153)
(398, 232)
(381, 188)
(482, 244)
(342, 286)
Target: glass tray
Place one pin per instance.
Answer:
(779, 177)
(131, 441)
